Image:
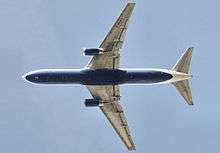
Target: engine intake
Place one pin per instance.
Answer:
(92, 51)
(92, 102)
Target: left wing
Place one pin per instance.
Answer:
(112, 42)
(109, 97)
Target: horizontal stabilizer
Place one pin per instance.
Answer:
(182, 66)
(183, 63)
(184, 90)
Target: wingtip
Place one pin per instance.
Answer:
(132, 148)
(131, 3)
(191, 48)
(190, 103)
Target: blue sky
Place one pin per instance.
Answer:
(37, 34)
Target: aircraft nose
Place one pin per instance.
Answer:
(33, 76)
(28, 77)
(24, 76)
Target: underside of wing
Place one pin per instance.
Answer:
(109, 96)
(184, 90)
(112, 43)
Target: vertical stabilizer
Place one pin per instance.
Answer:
(182, 66)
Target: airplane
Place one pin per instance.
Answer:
(102, 76)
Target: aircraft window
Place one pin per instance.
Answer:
(36, 77)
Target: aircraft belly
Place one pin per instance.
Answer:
(99, 77)
(103, 77)
(147, 77)
(114, 77)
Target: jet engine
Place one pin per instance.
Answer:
(92, 51)
(92, 102)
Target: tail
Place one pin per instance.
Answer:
(182, 66)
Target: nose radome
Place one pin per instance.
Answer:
(24, 77)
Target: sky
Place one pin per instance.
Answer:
(36, 34)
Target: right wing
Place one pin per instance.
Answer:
(112, 43)
(109, 95)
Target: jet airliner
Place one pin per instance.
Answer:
(102, 76)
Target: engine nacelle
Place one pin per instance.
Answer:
(92, 51)
(92, 102)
